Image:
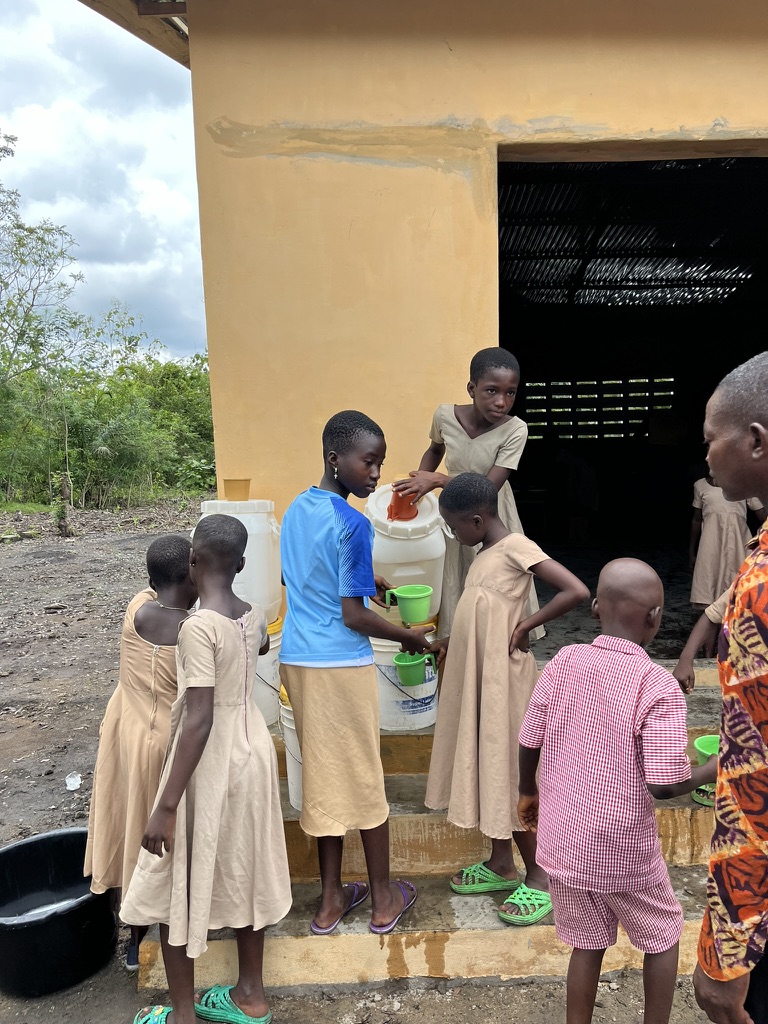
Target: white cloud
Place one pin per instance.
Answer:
(105, 147)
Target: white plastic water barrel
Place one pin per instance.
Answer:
(408, 552)
(402, 708)
(266, 686)
(292, 751)
(259, 582)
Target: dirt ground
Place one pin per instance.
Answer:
(61, 609)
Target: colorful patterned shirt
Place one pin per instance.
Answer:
(735, 927)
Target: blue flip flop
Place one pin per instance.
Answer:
(357, 888)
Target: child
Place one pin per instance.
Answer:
(137, 723)
(609, 726)
(720, 533)
(480, 437)
(217, 815)
(488, 677)
(327, 668)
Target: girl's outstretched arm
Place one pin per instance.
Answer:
(571, 591)
(194, 736)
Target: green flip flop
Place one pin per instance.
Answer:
(152, 1015)
(704, 795)
(216, 1004)
(533, 904)
(479, 878)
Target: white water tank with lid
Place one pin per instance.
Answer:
(408, 552)
(259, 582)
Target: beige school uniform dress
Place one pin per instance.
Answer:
(503, 447)
(484, 694)
(723, 542)
(132, 742)
(228, 867)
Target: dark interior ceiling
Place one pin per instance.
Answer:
(641, 234)
(641, 260)
(630, 272)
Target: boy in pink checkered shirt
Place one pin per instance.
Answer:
(609, 728)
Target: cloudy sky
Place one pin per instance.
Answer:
(105, 147)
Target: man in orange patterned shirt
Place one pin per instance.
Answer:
(731, 978)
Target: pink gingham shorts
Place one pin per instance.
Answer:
(651, 917)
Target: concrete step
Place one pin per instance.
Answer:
(442, 936)
(408, 753)
(424, 842)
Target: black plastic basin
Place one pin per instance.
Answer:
(53, 930)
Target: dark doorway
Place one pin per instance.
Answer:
(626, 290)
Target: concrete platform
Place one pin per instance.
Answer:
(443, 936)
(424, 842)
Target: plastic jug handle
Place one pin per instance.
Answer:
(387, 598)
(430, 657)
(275, 527)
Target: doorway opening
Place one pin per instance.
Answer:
(627, 290)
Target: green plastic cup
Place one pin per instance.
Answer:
(411, 668)
(706, 746)
(412, 601)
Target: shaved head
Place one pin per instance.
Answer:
(742, 396)
(630, 597)
(628, 580)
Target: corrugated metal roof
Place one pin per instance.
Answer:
(643, 233)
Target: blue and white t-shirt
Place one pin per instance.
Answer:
(326, 549)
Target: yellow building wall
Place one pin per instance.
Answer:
(347, 158)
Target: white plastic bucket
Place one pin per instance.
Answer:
(266, 685)
(292, 754)
(408, 552)
(402, 708)
(259, 582)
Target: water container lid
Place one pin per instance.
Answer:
(275, 627)
(234, 508)
(427, 521)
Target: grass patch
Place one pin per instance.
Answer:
(23, 506)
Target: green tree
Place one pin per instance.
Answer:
(94, 402)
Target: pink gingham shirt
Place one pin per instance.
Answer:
(608, 721)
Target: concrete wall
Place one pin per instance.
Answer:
(347, 171)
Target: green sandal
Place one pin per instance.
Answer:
(216, 1004)
(479, 878)
(704, 795)
(533, 904)
(152, 1015)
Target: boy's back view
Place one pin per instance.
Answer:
(609, 727)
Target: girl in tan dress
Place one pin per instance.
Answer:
(488, 679)
(719, 536)
(137, 723)
(214, 850)
(478, 438)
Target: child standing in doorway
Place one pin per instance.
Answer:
(719, 537)
(214, 850)
(137, 723)
(326, 664)
(488, 677)
(481, 437)
(609, 728)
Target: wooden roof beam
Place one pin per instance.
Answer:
(153, 30)
(160, 8)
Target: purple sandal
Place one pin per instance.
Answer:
(409, 891)
(357, 899)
